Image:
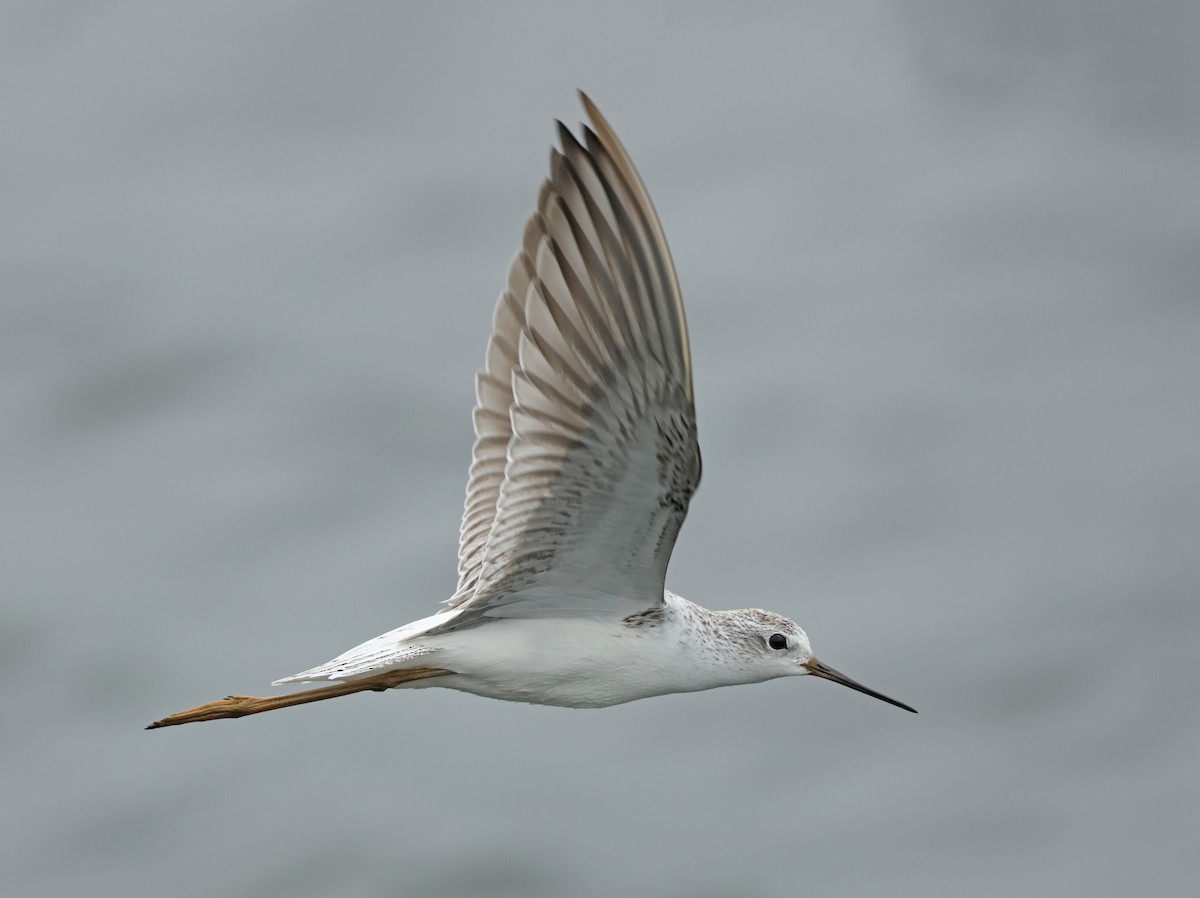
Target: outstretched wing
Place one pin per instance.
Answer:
(585, 454)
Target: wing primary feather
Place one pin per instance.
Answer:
(634, 244)
(554, 287)
(576, 234)
(595, 224)
(624, 164)
(603, 294)
(623, 281)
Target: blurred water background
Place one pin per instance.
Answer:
(941, 263)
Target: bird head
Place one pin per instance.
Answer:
(781, 643)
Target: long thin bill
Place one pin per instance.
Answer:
(825, 672)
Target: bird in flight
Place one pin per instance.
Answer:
(584, 463)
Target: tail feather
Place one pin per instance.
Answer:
(391, 649)
(359, 662)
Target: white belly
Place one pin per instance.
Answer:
(569, 662)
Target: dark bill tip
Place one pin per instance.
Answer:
(825, 672)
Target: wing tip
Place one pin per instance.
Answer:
(588, 106)
(601, 125)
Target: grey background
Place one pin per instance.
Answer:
(941, 269)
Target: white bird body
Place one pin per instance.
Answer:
(584, 463)
(586, 662)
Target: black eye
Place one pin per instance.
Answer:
(777, 641)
